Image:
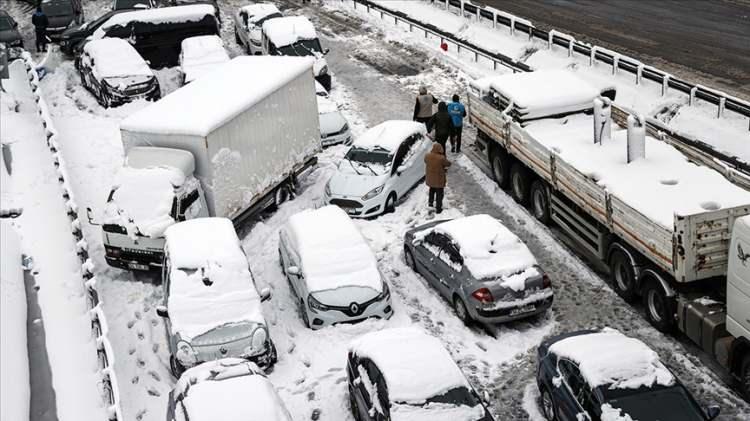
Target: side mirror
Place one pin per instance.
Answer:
(292, 270)
(713, 411)
(400, 169)
(90, 217)
(327, 50)
(265, 294)
(486, 397)
(161, 311)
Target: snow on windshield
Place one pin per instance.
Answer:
(288, 30)
(436, 412)
(366, 162)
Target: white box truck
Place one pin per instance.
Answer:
(662, 223)
(229, 144)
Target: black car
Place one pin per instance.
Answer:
(586, 375)
(213, 3)
(71, 40)
(61, 14)
(133, 4)
(9, 34)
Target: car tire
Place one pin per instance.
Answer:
(390, 203)
(623, 275)
(540, 201)
(176, 367)
(745, 376)
(283, 193)
(519, 183)
(660, 309)
(500, 165)
(409, 259)
(549, 410)
(461, 312)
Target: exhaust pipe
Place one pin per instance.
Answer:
(602, 120)
(636, 137)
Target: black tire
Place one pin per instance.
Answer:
(390, 203)
(520, 183)
(539, 196)
(282, 194)
(549, 409)
(745, 376)
(176, 367)
(500, 164)
(623, 275)
(409, 259)
(237, 37)
(660, 309)
(461, 312)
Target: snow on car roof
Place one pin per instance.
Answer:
(288, 30)
(202, 106)
(258, 11)
(389, 134)
(210, 283)
(115, 57)
(416, 366)
(321, 237)
(609, 358)
(201, 55)
(186, 13)
(326, 106)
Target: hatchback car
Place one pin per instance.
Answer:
(211, 308)
(382, 165)
(331, 269)
(62, 14)
(248, 22)
(480, 267)
(605, 375)
(334, 128)
(200, 55)
(296, 36)
(229, 389)
(404, 374)
(115, 74)
(9, 34)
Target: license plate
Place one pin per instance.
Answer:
(522, 310)
(137, 266)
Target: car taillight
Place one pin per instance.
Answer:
(546, 282)
(483, 295)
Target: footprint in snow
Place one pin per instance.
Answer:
(155, 348)
(135, 380)
(315, 414)
(137, 315)
(141, 336)
(311, 395)
(131, 323)
(154, 392)
(140, 362)
(131, 350)
(291, 348)
(154, 322)
(139, 416)
(154, 375)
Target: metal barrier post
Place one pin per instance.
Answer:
(664, 84)
(722, 104)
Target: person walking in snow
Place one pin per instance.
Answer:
(436, 167)
(457, 112)
(40, 21)
(423, 106)
(442, 123)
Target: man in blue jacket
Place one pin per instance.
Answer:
(40, 21)
(457, 112)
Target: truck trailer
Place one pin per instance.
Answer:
(661, 223)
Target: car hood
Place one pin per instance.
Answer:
(353, 185)
(331, 122)
(9, 35)
(345, 295)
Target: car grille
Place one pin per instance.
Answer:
(141, 255)
(138, 89)
(346, 203)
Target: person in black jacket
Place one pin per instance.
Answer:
(40, 21)
(442, 123)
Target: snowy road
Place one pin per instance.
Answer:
(375, 79)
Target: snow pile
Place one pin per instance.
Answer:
(609, 358)
(210, 283)
(186, 13)
(415, 365)
(663, 184)
(389, 134)
(610, 413)
(322, 236)
(201, 55)
(115, 57)
(14, 359)
(258, 11)
(288, 30)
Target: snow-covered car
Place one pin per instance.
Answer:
(332, 271)
(9, 34)
(296, 36)
(248, 22)
(404, 374)
(605, 375)
(211, 308)
(382, 165)
(133, 4)
(229, 389)
(115, 74)
(334, 128)
(200, 55)
(480, 267)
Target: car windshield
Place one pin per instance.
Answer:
(664, 404)
(372, 161)
(58, 8)
(459, 396)
(304, 47)
(260, 21)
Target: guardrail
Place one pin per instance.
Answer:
(99, 326)
(731, 167)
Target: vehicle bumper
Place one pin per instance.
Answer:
(320, 319)
(345, 137)
(132, 259)
(151, 95)
(356, 207)
(502, 313)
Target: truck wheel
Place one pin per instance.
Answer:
(540, 200)
(623, 275)
(660, 309)
(283, 193)
(519, 183)
(500, 164)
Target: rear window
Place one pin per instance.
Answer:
(58, 8)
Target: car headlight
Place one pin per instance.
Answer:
(323, 71)
(328, 188)
(372, 193)
(186, 354)
(257, 342)
(315, 304)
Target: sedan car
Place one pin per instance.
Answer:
(200, 55)
(404, 374)
(248, 22)
(228, 389)
(604, 375)
(115, 73)
(212, 308)
(9, 34)
(382, 165)
(480, 267)
(331, 269)
(334, 128)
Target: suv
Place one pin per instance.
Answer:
(296, 36)
(62, 14)
(248, 22)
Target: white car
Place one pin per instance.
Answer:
(225, 389)
(380, 168)
(334, 128)
(332, 271)
(248, 22)
(211, 306)
(296, 36)
(200, 55)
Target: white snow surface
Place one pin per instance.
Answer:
(416, 366)
(436, 412)
(115, 57)
(663, 184)
(185, 13)
(609, 413)
(206, 104)
(201, 55)
(609, 358)
(258, 11)
(208, 248)
(332, 250)
(389, 134)
(288, 30)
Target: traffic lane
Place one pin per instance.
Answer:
(705, 41)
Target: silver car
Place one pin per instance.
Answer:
(480, 267)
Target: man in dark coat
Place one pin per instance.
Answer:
(436, 166)
(423, 106)
(442, 123)
(40, 21)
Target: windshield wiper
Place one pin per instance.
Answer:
(368, 167)
(353, 167)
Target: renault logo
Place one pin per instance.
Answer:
(223, 350)
(354, 308)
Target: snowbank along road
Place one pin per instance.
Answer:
(377, 70)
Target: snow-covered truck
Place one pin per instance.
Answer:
(230, 144)
(661, 223)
